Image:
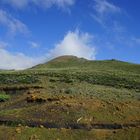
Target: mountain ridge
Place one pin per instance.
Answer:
(74, 62)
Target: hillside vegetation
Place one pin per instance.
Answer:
(71, 98)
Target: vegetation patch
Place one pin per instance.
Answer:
(11, 79)
(33, 98)
(4, 97)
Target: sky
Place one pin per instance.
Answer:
(35, 31)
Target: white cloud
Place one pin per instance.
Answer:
(14, 25)
(41, 3)
(16, 61)
(103, 9)
(74, 43)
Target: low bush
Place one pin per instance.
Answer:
(4, 97)
(70, 91)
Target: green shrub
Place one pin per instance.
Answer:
(70, 91)
(4, 97)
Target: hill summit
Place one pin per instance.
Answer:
(67, 58)
(63, 62)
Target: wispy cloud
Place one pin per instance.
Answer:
(109, 16)
(34, 44)
(104, 9)
(3, 44)
(136, 40)
(75, 43)
(14, 25)
(20, 4)
(118, 28)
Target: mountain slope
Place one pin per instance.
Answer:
(108, 72)
(73, 62)
(74, 95)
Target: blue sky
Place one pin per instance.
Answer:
(34, 31)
